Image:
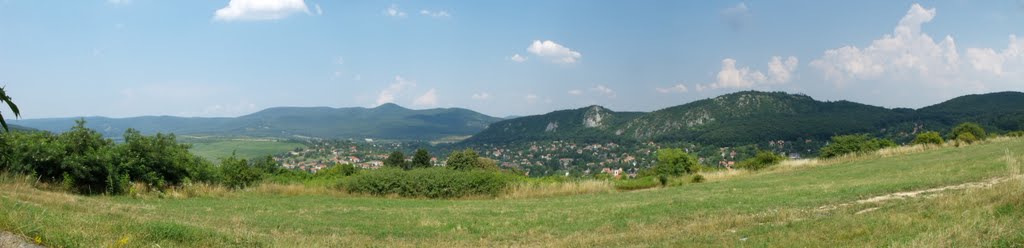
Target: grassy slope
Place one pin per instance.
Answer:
(214, 150)
(776, 208)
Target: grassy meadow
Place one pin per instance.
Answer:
(848, 201)
(244, 148)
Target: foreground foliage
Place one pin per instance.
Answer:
(430, 182)
(851, 144)
(811, 206)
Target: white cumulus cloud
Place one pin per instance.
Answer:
(575, 92)
(428, 99)
(905, 53)
(251, 10)
(989, 61)
(388, 94)
(730, 76)
(554, 51)
(782, 71)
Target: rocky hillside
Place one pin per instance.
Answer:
(751, 116)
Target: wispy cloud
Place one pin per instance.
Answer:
(394, 11)
(436, 14)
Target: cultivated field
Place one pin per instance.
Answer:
(924, 197)
(221, 148)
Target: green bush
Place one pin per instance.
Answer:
(932, 138)
(238, 173)
(975, 131)
(637, 183)
(966, 138)
(429, 182)
(858, 143)
(1015, 134)
(761, 160)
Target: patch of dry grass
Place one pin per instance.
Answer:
(534, 190)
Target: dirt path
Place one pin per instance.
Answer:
(915, 194)
(10, 240)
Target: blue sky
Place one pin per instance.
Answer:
(123, 58)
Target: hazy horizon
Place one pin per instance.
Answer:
(127, 58)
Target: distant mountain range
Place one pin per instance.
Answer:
(388, 121)
(732, 119)
(751, 116)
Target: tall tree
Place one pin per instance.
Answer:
(396, 159)
(421, 159)
(4, 98)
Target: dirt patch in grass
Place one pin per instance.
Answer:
(14, 241)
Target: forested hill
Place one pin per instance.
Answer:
(388, 121)
(752, 116)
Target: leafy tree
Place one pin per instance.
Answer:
(463, 160)
(675, 162)
(4, 98)
(977, 133)
(421, 159)
(396, 160)
(929, 138)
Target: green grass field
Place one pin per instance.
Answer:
(216, 149)
(812, 205)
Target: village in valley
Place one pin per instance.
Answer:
(535, 158)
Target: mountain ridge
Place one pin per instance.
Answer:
(747, 117)
(387, 121)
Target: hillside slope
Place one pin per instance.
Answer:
(589, 123)
(751, 117)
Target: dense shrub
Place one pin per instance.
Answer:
(761, 160)
(1015, 134)
(637, 183)
(966, 138)
(81, 160)
(932, 138)
(859, 143)
(430, 182)
(975, 131)
(239, 174)
(462, 160)
(675, 162)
